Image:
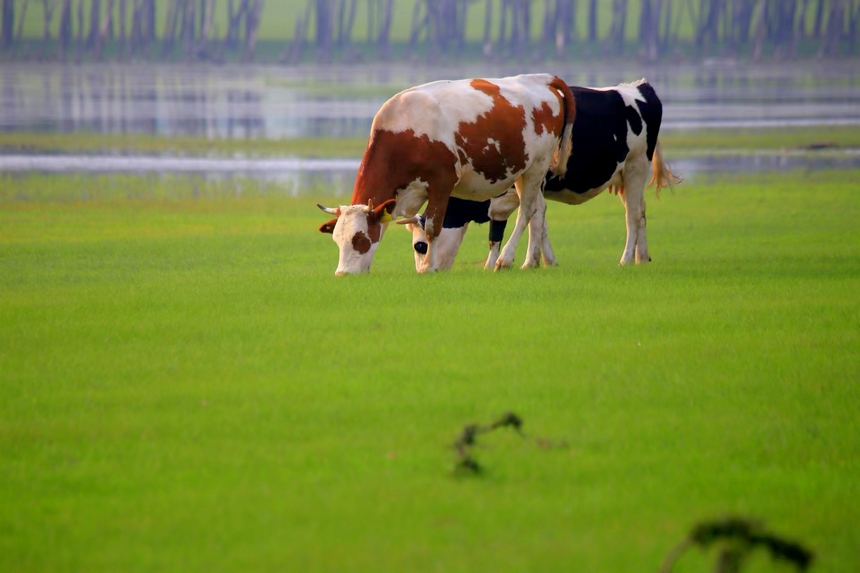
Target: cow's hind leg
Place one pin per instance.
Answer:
(635, 175)
(547, 254)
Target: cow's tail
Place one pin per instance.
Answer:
(661, 175)
(565, 144)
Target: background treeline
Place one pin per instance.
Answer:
(291, 31)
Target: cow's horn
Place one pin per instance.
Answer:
(330, 210)
(413, 220)
(369, 207)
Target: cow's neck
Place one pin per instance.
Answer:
(374, 181)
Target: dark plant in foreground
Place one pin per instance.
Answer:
(468, 439)
(738, 538)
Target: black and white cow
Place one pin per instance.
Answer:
(614, 147)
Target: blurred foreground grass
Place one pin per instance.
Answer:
(185, 385)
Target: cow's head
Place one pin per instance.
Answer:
(447, 244)
(357, 231)
(415, 225)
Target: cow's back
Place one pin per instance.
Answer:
(612, 125)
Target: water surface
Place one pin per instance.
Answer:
(235, 101)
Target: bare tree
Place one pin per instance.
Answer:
(819, 19)
(121, 39)
(107, 26)
(79, 48)
(835, 28)
(95, 20)
(592, 21)
(487, 44)
(48, 8)
(615, 37)
(759, 37)
(382, 41)
(7, 27)
(65, 27)
(293, 53)
(252, 24)
(170, 21)
(324, 18)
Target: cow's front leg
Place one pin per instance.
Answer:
(497, 233)
(501, 208)
(434, 215)
(528, 190)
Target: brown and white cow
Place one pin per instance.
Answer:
(615, 146)
(471, 139)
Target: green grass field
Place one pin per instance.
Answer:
(185, 386)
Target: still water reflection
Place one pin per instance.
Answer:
(336, 177)
(291, 102)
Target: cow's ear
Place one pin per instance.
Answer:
(328, 227)
(383, 212)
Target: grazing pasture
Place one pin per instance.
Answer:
(185, 386)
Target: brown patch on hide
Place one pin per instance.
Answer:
(361, 242)
(504, 123)
(546, 121)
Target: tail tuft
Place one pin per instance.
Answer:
(661, 175)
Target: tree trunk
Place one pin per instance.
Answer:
(107, 25)
(188, 29)
(206, 31)
(835, 29)
(150, 12)
(121, 39)
(18, 36)
(294, 53)
(252, 24)
(65, 28)
(384, 30)
(644, 20)
(652, 37)
(7, 34)
(95, 23)
(80, 41)
(503, 23)
(615, 38)
(323, 32)
(170, 19)
(819, 19)
(48, 15)
(488, 20)
(592, 21)
(758, 39)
